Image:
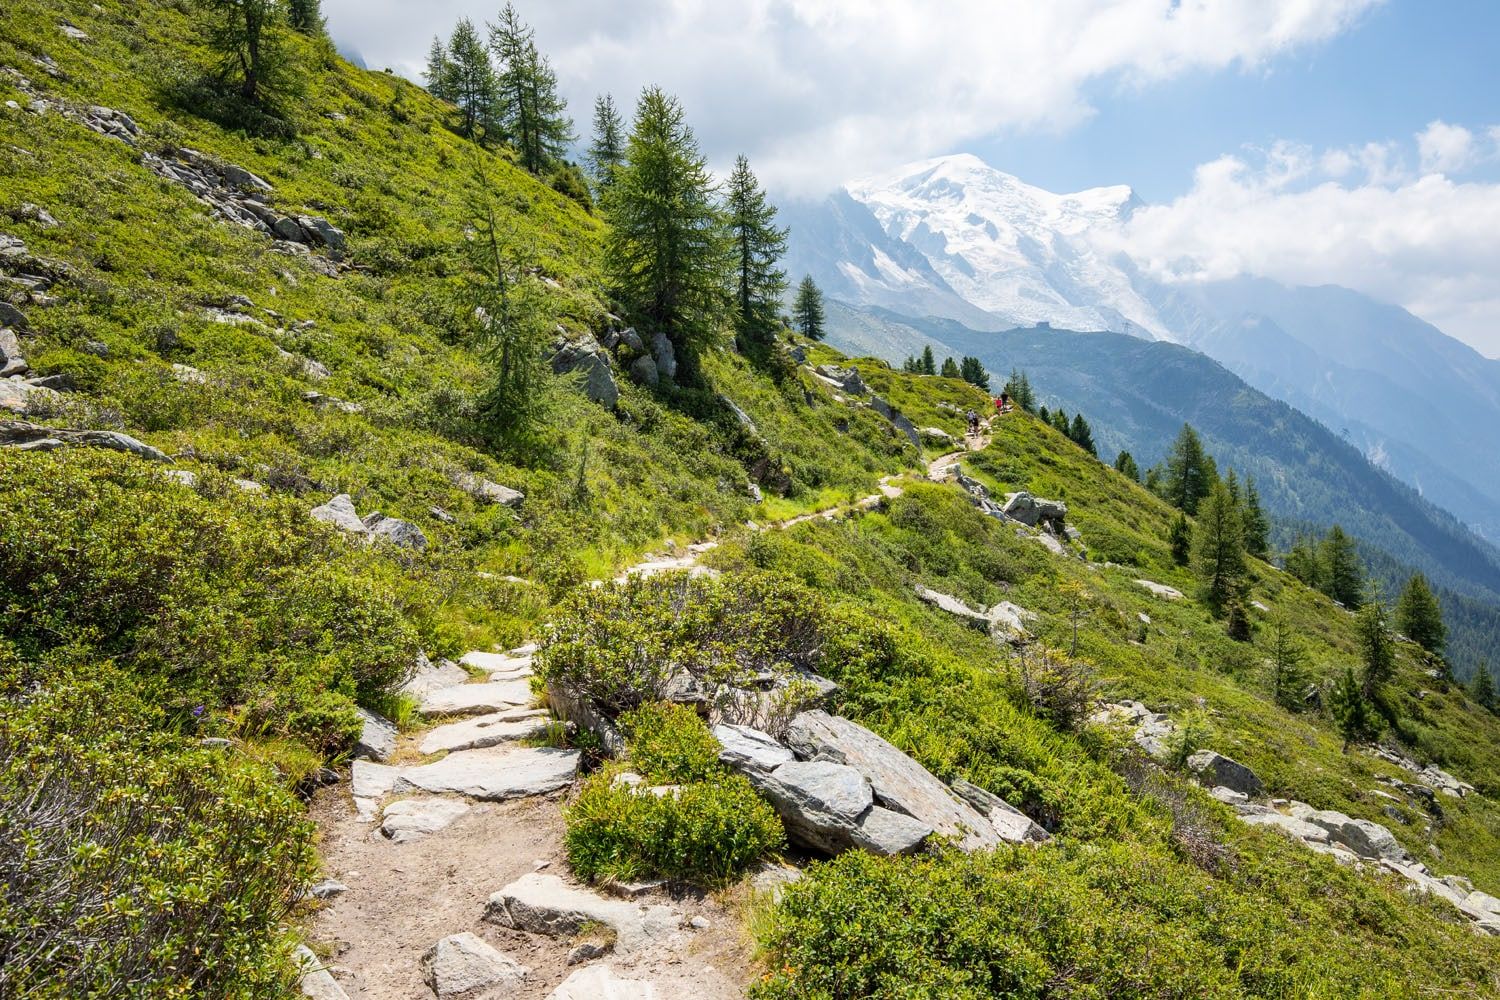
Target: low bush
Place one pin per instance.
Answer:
(708, 829)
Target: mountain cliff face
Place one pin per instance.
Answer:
(1415, 401)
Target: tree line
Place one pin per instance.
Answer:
(971, 370)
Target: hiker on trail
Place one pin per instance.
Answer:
(1002, 404)
(973, 422)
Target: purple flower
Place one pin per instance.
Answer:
(198, 712)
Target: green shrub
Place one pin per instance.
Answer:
(669, 744)
(135, 863)
(709, 829)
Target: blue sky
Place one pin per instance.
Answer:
(1402, 65)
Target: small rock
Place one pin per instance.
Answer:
(340, 513)
(409, 819)
(465, 967)
(317, 981)
(327, 889)
(699, 924)
(586, 951)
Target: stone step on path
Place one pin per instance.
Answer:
(489, 774)
(489, 730)
(477, 699)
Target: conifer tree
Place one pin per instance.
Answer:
(1046, 417)
(1190, 473)
(1419, 616)
(306, 16)
(759, 246)
(666, 252)
(912, 366)
(1219, 548)
(1288, 679)
(439, 74)
(1257, 528)
(1377, 653)
(1061, 423)
(950, 369)
(1350, 709)
(1018, 387)
(1180, 538)
(1155, 481)
(607, 149)
(807, 312)
(1125, 466)
(971, 370)
(929, 364)
(1342, 573)
(1482, 687)
(470, 82)
(1232, 484)
(1304, 562)
(250, 38)
(532, 112)
(1082, 434)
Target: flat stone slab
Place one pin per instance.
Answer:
(432, 677)
(486, 730)
(746, 749)
(410, 819)
(1289, 825)
(493, 774)
(476, 699)
(599, 982)
(1009, 822)
(1161, 590)
(545, 904)
(497, 663)
(899, 782)
(465, 967)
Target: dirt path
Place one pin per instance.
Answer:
(406, 890)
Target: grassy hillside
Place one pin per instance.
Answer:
(179, 662)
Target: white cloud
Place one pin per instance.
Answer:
(1418, 238)
(1445, 148)
(817, 91)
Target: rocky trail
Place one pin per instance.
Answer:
(444, 857)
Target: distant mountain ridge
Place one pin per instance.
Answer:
(955, 239)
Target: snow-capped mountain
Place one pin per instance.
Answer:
(953, 238)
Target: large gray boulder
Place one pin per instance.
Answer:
(465, 967)
(544, 904)
(847, 379)
(485, 491)
(899, 782)
(396, 531)
(584, 358)
(1031, 510)
(829, 807)
(1217, 770)
(664, 356)
(377, 736)
(340, 513)
(898, 421)
(746, 749)
(1366, 839)
(1009, 822)
(430, 677)
(573, 707)
(1289, 825)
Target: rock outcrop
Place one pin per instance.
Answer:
(545, 904)
(465, 967)
(585, 359)
(1005, 622)
(31, 437)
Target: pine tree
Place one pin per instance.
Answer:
(1232, 484)
(1419, 616)
(1377, 652)
(1018, 387)
(1342, 572)
(1125, 466)
(250, 37)
(1180, 538)
(1061, 423)
(807, 313)
(1288, 679)
(505, 304)
(1482, 687)
(1219, 548)
(1305, 563)
(533, 113)
(607, 149)
(306, 16)
(1257, 528)
(1046, 417)
(971, 370)
(1082, 434)
(1350, 709)
(950, 369)
(1190, 473)
(758, 248)
(470, 82)
(439, 74)
(912, 366)
(929, 364)
(666, 252)
(1156, 481)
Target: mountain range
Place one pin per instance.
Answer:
(955, 239)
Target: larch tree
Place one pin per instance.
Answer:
(1257, 527)
(807, 309)
(1082, 434)
(1482, 687)
(1376, 651)
(439, 72)
(532, 112)
(250, 37)
(1018, 387)
(1218, 552)
(607, 148)
(1350, 709)
(1125, 466)
(470, 82)
(666, 253)
(1288, 679)
(1419, 616)
(759, 245)
(1190, 472)
(1343, 574)
(306, 16)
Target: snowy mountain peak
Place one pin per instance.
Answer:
(1025, 254)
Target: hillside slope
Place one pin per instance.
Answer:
(198, 636)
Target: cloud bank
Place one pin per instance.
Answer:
(818, 91)
(1395, 221)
